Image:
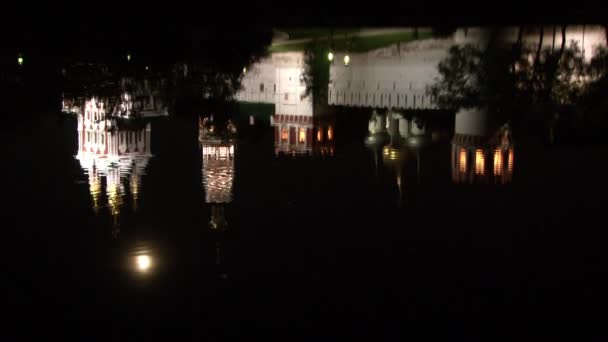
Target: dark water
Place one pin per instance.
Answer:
(316, 246)
(419, 220)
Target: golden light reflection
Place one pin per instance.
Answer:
(143, 262)
(479, 162)
(462, 167)
(302, 135)
(510, 162)
(497, 162)
(330, 133)
(319, 135)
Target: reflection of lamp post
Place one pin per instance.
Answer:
(330, 55)
(346, 57)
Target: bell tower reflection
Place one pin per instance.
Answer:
(218, 151)
(117, 155)
(482, 151)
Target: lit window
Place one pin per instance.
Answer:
(284, 135)
(479, 162)
(497, 162)
(462, 166)
(302, 136)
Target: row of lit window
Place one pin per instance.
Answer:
(302, 134)
(480, 161)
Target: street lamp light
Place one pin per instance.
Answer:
(330, 56)
(20, 60)
(346, 59)
(128, 57)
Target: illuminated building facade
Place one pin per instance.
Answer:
(482, 152)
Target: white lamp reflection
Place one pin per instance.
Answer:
(143, 263)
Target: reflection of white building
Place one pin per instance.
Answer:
(106, 151)
(397, 76)
(277, 80)
(296, 134)
(482, 151)
(144, 98)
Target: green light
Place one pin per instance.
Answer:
(20, 60)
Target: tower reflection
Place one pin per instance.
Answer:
(218, 151)
(107, 151)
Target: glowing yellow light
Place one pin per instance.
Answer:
(128, 57)
(497, 162)
(479, 162)
(330, 56)
(346, 60)
(143, 263)
(319, 135)
(330, 133)
(463, 160)
(244, 70)
(284, 134)
(302, 136)
(510, 162)
(20, 60)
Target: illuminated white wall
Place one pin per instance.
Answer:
(277, 80)
(398, 76)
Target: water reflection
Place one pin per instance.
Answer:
(128, 99)
(397, 140)
(119, 155)
(217, 143)
(141, 258)
(482, 151)
(301, 135)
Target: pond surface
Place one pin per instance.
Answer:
(382, 216)
(253, 241)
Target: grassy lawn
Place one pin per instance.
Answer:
(357, 44)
